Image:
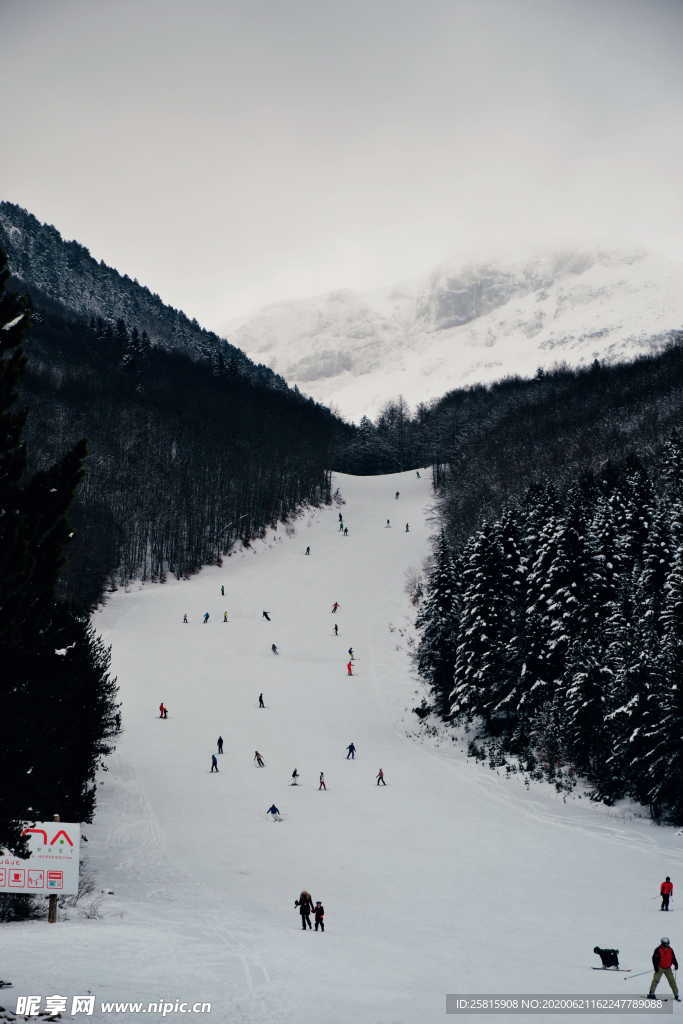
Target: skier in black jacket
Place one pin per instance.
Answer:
(305, 905)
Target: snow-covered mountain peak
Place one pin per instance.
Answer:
(467, 322)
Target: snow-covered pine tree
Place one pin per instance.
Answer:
(438, 624)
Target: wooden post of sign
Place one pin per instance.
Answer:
(52, 898)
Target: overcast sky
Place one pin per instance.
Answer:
(230, 153)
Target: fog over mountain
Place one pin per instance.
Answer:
(231, 155)
(467, 323)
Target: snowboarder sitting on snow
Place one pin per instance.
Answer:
(305, 905)
(609, 957)
(275, 812)
(663, 959)
(666, 891)
(319, 912)
(258, 759)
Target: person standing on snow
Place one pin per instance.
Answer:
(222, 591)
(163, 710)
(396, 495)
(225, 616)
(346, 531)
(266, 616)
(323, 784)
(666, 892)
(259, 760)
(663, 959)
(219, 744)
(335, 607)
(295, 778)
(185, 617)
(407, 527)
(351, 654)
(336, 629)
(351, 752)
(341, 526)
(349, 668)
(308, 551)
(275, 812)
(387, 524)
(305, 905)
(214, 763)
(380, 778)
(260, 701)
(341, 518)
(417, 471)
(274, 649)
(206, 618)
(319, 912)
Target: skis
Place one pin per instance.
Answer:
(617, 970)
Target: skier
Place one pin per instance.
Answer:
(305, 905)
(319, 912)
(407, 527)
(663, 959)
(259, 760)
(346, 531)
(351, 752)
(349, 668)
(666, 892)
(274, 649)
(417, 471)
(206, 618)
(396, 495)
(323, 784)
(260, 701)
(214, 763)
(225, 616)
(266, 616)
(275, 812)
(163, 710)
(335, 606)
(380, 777)
(185, 617)
(341, 526)
(336, 629)
(308, 550)
(351, 654)
(295, 778)
(222, 591)
(219, 744)
(609, 957)
(388, 524)
(341, 518)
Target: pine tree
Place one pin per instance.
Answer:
(438, 624)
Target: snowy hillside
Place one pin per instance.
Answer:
(463, 325)
(450, 879)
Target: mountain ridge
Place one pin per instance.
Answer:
(469, 324)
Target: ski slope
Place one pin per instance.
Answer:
(450, 879)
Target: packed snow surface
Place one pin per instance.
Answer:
(465, 324)
(450, 879)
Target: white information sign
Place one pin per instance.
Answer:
(51, 869)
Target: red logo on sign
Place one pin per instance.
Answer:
(55, 879)
(16, 877)
(43, 833)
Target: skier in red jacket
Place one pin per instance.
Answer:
(666, 892)
(163, 710)
(349, 668)
(663, 959)
(335, 606)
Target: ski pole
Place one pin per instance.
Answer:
(639, 974)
